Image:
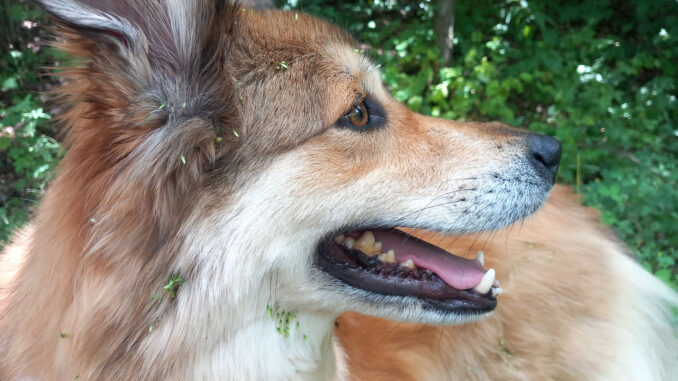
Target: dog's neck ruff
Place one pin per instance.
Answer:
(268, 349)
(231, 314)
(252, 341)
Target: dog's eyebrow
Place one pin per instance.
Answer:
(349, 73)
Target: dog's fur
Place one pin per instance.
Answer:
(575, 307)
(202, 142)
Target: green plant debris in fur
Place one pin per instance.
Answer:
(172, 286)
(505, 351)
(283, 319)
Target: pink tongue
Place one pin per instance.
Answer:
(459, 273)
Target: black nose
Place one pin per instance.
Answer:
(544, 154)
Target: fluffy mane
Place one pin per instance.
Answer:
(147, 105)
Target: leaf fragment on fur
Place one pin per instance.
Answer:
(173, 285)
(63, 335)
(283, 319)
(505, 351)
(162, 106)
(296, 17)
(183, 158)
(236, 133)
(282, 65)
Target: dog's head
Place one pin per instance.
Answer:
(262, 146)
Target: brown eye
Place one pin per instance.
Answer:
(358, 116)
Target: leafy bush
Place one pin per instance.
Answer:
(27, 152)
(601, 76)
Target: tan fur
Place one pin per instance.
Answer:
(563, 315)
(192, 151)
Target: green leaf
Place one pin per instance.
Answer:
(10, 83)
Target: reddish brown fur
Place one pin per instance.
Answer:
(108, 224)
(108, 232)
(551, 321)
(103, 225)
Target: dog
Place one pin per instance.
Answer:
(233, 184)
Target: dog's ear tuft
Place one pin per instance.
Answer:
(152, 69)
(99, 20)
(149, 30)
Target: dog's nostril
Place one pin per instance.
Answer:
(545, 152)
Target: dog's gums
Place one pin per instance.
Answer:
(391, 262)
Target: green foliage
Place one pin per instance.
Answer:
(27, 152)
(600, 75)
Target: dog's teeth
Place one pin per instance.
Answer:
(366, 240)
(496, 291)
(408, 263)
(349, 242)
(388, 257)
(481, 258)
(368, 245)
(486, 283)
(372, 250)
(340, 238)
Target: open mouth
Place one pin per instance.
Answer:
(391, 262)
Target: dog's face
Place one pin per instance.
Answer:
(335, 164)
(297, 164)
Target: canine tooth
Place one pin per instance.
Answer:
(496, 291)
(486, 283)
(408, 263)
(339, 239)
(481, 257)
(349, 242)
(388, 257)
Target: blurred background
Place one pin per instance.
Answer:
(600, 75)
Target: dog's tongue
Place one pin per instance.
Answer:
(459, 273)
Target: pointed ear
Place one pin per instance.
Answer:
(148, 29)
(95, 19)
(147, 64)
